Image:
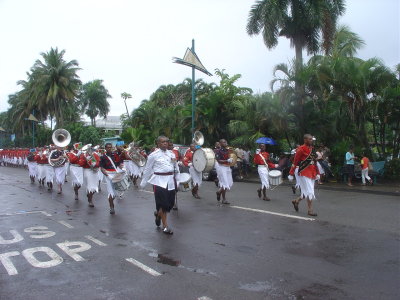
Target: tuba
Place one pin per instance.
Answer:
(135, 155)
(61, 138)
(198, 138)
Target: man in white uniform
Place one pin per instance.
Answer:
(160, 171)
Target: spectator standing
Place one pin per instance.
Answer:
(246, 161)
(364, 170)
(350, 164)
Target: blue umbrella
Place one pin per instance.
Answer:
(266, 141)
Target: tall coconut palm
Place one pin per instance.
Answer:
(126, 96)
(94, 100)
(306, 23)
(55, 82)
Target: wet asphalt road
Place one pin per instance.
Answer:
(53, 247)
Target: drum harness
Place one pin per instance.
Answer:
(266, 165)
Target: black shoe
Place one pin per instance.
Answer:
(112, 211)
(295, 205)
(225, 202)
(158, 219)
(293, 189)
(91, 204)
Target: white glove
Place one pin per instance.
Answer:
(180, 163)
(317, 177)
(276, 165)
(290, 177)
(190, 164)
(229, 160)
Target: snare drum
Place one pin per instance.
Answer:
(120, 182)
(185, 182)
(275, 177)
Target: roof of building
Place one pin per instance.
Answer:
(111, 122)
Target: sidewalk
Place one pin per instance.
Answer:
(389, 188)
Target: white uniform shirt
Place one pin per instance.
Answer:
(160, 162)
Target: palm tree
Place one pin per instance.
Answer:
(94, 100)
(308, 24)
(125, 96)
(55, 81)
(303, 22)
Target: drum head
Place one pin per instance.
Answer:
(199, 160)
(183, 177)
(274, 173)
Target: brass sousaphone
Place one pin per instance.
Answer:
(61, 138)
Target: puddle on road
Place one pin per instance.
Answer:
(163, 259)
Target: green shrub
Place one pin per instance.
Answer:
(392, 169)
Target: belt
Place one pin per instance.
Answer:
(75, 165)
(164, 174)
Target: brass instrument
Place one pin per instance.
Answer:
(135, 155)
(87, 151)
(61, 138)
(198, 138)
(232, 155)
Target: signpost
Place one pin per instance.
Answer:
(191, 59)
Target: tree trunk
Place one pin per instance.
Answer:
(299, 89)
(376, 137)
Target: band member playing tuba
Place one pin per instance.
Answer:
(58, 159)
(196, 176)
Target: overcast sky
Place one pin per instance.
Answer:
(129, 44)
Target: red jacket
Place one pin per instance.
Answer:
(259, 161)
(188, 157)
(83, 162)
(302, 153)
(73, 158)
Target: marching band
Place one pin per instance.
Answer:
(116, 166)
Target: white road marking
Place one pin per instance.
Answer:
(73, 248)
(150, 192)
(273, 213)
(27, 212)
(204, 298)
(41, 232)
(6, 261)
(55, 258)
(94, 240)
(143, 267)
(16, 238)
(65, 224)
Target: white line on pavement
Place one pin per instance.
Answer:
(27, 212)
(204, 298)
(65, 224)
(94, 240)
(143, 267)
(147, 191)
(273, 213)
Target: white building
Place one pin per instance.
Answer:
(111, 123)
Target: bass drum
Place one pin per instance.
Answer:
(204, 159)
